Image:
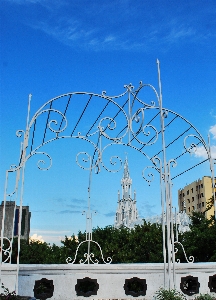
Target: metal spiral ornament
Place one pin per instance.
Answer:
(7, 252)
(190, 259)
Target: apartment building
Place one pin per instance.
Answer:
(195, 196)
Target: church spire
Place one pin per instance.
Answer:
(126, 213)
(126, 182)
(126, 169)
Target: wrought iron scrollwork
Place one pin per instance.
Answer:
(89, 257)
(6, 252)
(190, 259)
(41, 163)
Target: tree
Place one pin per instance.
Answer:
(200, 241)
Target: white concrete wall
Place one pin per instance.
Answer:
(111, 278)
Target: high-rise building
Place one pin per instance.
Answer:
(126, 213)
(11, 222)
(196, 195)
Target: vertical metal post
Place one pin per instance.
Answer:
(166, 179)
(129, 114)
(2, 230)
(23, 162)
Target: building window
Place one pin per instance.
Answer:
(188, 192)
(192, 190)
(16, 222)
(202, 204)
(23, 221)
(192, 199)
(130, 213)
(202, 195)
(199, 205)
(193, 208)
(188, 200)
(183, 194)
(198, 196)
(196, 187)
(188, 209)
(201, 185)
(122, 214)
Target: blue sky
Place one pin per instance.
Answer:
(49, 48)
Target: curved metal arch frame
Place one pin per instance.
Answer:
(164, 167)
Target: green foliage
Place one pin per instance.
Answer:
(200, 241)
(163, 294)
(143, 244)
(204, 297)
(36, 252)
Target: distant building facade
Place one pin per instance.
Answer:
(11, 222)
(196, 195)
(126, 213)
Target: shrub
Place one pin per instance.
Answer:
(163, 294)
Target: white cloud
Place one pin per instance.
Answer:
(212, 130)
(200, 152)
(213, 151)
(49, 236)
(109, 38)
(37, 238)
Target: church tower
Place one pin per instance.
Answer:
(126, 213)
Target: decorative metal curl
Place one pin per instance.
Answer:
(53, 121)
(135, 93)
(137, 119)
(190, 259)
(88, 257)
(148, 133)
(109, 126)
(150, 175)
(86, 159)
(172, 163)
(156, 161)
(165, 113)
(193, 146)
(113, 161)
(42, 162)
(6, 252)
(20, 133)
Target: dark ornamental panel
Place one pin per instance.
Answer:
(43, 289)
(86, 287)
(189, 285)
(135, 287)
(212, 283)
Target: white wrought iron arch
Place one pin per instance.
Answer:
(132, 114)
